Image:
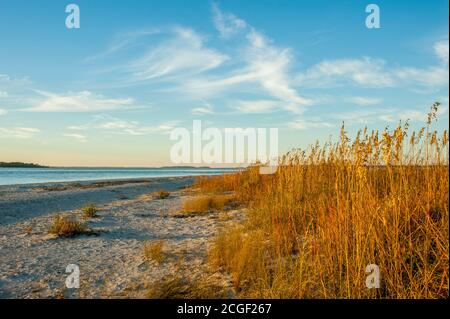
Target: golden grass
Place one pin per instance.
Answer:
(161, 194)
(90, 211)
(330, 211)
(207, 203)
(65, 227)
(177, 287)
(154, 251)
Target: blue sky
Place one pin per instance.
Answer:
(107, 94)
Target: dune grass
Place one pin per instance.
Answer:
(329, 211)
(207, 203)
(153, 251)
(175, 286)
(161, 194)
(66, 227)
(90, 211)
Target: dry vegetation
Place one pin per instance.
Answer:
(153, 251)
(90, 211)
(181, 287)
(161, 194)
(207, 203)
(66, 227)
(328, 212)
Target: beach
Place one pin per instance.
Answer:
(110, 259)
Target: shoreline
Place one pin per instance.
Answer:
(111, 262)
(33, 179)
(22, 201)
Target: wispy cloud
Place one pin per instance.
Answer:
(3, 94)
(83, 101)
(304, 124)
(226, 23)
(441, 50)
(184, 54)
(18, 132)
(202, 110)
(3, 112)
(114, 125)
(76, 136)
(256, 106)
(385, 115)
(123, 41)
(264, 67)
(366, 72)
(364, 101)
(375, 73)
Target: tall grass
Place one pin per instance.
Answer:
(333, 209)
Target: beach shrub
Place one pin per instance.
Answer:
(175, 286)
(207, 203)
(161, 194)
(153, 251)
(90, 211)
(66, 227)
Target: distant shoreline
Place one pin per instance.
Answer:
(21, 165)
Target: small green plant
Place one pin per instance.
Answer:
(90, 211)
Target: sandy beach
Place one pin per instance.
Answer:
(33, 262)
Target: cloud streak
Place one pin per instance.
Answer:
(184, 54)
(375, 73)
(18, 132)
(83, 101)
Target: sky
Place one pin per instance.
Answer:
(110, 92)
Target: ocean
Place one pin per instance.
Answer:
(13, 176)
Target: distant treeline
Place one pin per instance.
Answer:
(19, 164)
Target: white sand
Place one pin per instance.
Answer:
(32, 263)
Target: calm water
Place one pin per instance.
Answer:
(11, 176)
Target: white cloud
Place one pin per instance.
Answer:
(80, 137)
(4, 78)
(375, 73)
(364, 101)
(441, 50)
(226, 23)
(391, 115)
(3, 94)
(118, 126)
(265, 66)
(432, 76)
(206, 109)
(256, 106)
(3, 112)
(124, 41)
(83, 101)
(366, 72)
(301, 124)
(18, 132)
(184, 54)
(366, 116)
